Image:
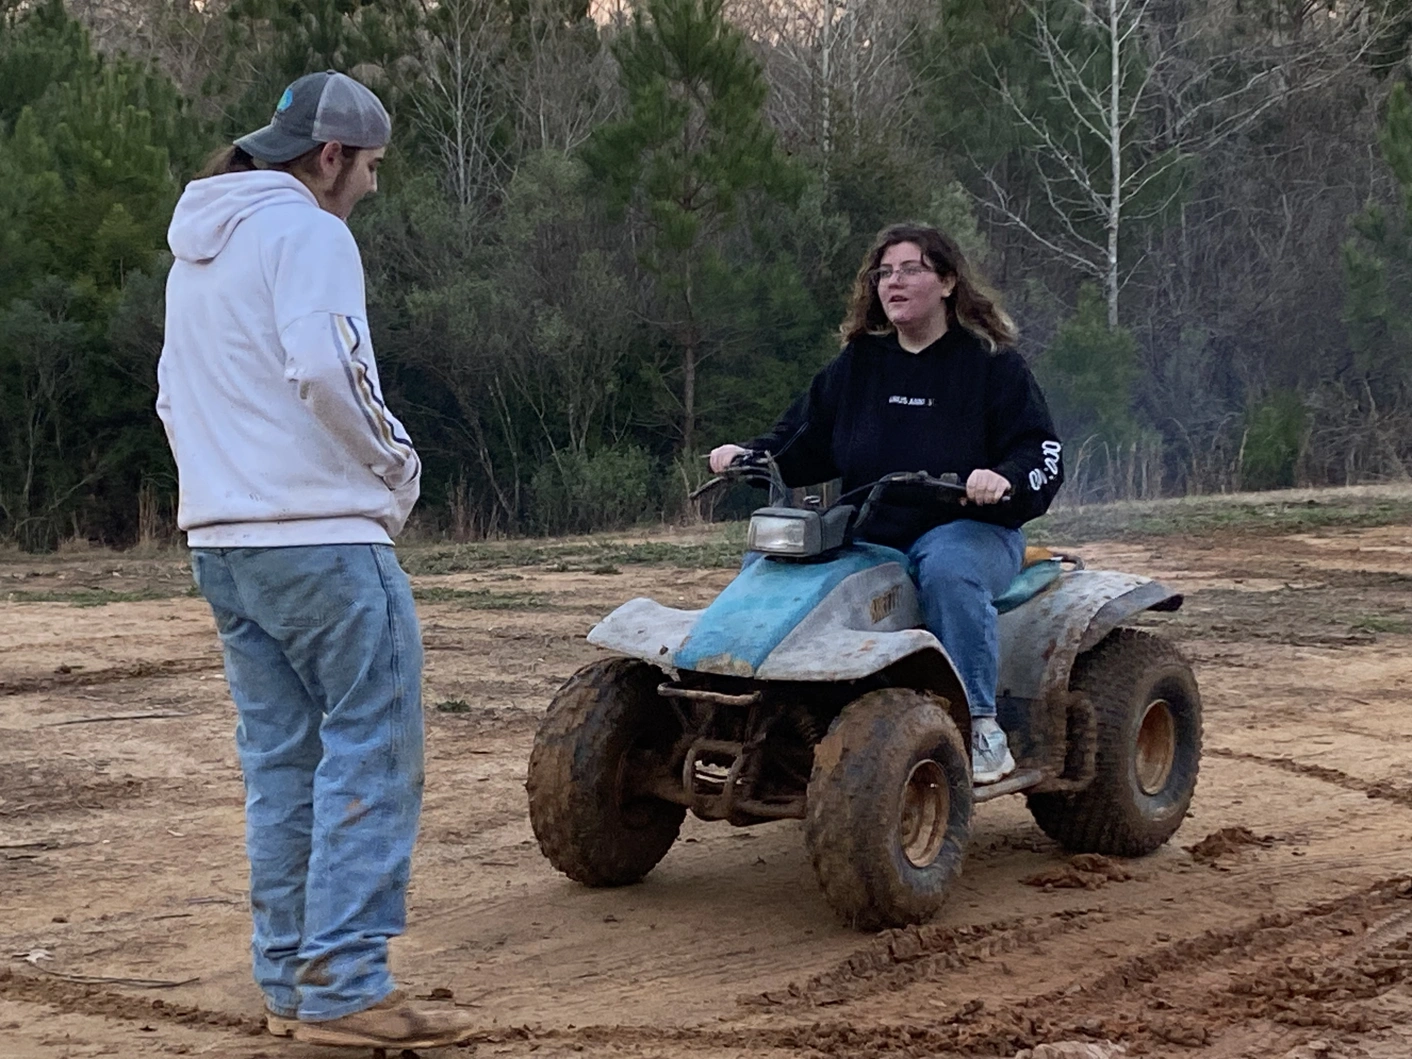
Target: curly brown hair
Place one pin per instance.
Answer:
(973, 304)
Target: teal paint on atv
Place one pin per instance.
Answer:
(1029, 583)
(765, 603)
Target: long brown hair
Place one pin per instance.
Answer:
(233, 159)
(973, 304)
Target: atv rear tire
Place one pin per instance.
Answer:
(889, 808)
(587, 820)
(1147, 711)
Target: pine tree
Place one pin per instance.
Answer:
(1377, 263)
(270, 43)
(40, 46)
(88, 167)
(692, 152)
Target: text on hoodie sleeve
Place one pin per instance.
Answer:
(1025, 445)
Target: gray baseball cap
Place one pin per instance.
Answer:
(327, 107)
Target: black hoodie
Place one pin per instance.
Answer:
(954, 406)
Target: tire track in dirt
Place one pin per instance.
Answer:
(895, 958)
(1388, 934)
(1149, 1000)
(1384, 790)
(1266, 933)
(113, 675)
(91, 1000)
(1270, 967)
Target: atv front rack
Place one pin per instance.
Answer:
(719, 778)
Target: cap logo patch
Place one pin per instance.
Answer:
(285, 101)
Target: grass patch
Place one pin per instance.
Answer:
(1269, 514)
(480, 598)
(723, 551)
(94, 597)
(1381, 623)
(453, 706)
(1254, 514)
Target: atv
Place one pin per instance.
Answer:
(809, 689)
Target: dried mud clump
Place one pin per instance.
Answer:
(1226, 842)
(1087, 871)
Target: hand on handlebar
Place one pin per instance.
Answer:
(724, 455)
(732, 463)
(986, 487)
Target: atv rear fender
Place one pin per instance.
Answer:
(1039, 643)
(1040, 640)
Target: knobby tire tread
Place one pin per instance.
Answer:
(1106, 816)
(578, 828)
(850, 827)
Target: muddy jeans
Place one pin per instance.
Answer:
(324, 660)
(961, 568)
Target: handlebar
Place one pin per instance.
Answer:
(752, 466)
(947, 485)
(755, 466)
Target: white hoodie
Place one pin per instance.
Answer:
(267, 385)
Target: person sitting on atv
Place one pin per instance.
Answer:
(928, 379)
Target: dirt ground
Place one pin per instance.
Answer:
(1278, 922)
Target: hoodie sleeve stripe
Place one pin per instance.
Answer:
(349, 341)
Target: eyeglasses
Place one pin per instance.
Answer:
(907, 271)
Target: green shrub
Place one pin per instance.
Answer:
(1088, 374)
(577, 492)
(1274, 436)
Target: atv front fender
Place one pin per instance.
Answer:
(643, 628)
(818, 650)
(1040, 640)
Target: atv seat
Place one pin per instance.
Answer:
(1040, 569)
(1034, 555)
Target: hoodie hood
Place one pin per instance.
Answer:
(210, 210)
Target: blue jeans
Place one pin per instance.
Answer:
(324, 660)
(961, 567)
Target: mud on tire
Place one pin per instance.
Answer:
(1147, 711)
(588, 822)
(889, 808)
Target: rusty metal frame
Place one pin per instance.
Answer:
(732, 802)
(717, 698)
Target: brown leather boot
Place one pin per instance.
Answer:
(280, 1025)
(393, 1023)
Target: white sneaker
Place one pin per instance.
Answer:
(991, 759)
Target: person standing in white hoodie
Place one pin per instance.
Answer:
(294, 478)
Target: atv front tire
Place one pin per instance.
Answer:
(589, 822)
(1147, 711)
(889, 808)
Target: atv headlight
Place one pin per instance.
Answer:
(783, 534)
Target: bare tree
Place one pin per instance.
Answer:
(564, 82)
(1131, 91)
(183, 37)
(835, 67)
(456, 104)
(496, 79)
